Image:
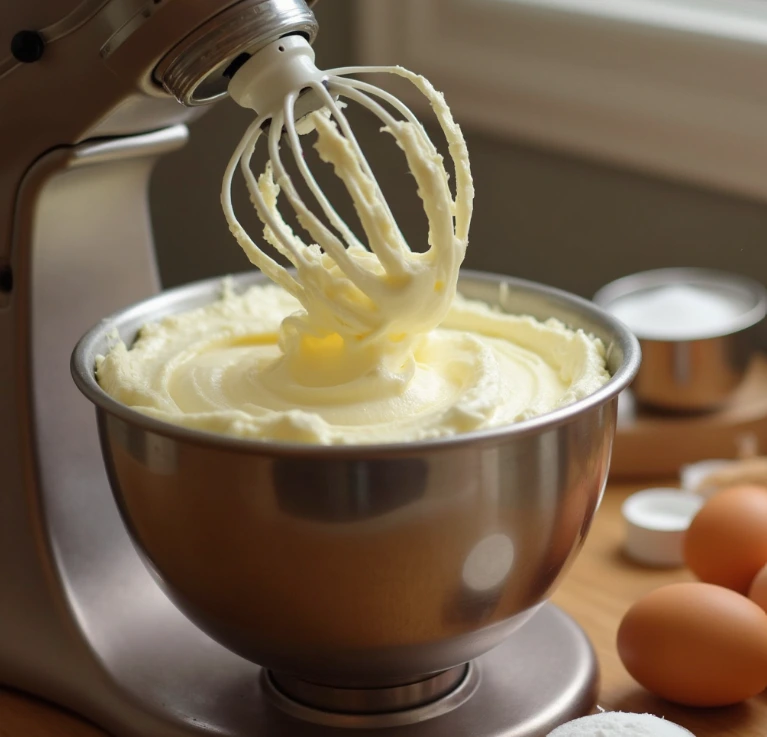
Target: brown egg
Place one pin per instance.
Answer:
(758, 590)
(726, 543)
(696, 644)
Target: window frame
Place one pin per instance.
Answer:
(676, 88)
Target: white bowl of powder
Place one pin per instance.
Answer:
(620, 724)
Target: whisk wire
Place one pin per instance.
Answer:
(392, 247)
(456, 143)
(327, 208)
(390, 99)
(314, 226)
(261, 260)
(427, 170)
(276, 230)
(278, 233)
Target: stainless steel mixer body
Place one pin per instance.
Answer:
(82, 622)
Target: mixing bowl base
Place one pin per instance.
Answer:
(542, 676)
(389, 706)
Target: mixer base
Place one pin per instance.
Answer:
(541, 677)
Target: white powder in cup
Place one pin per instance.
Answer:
(678, 312)
(620, 724)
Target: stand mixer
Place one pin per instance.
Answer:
(380, 591)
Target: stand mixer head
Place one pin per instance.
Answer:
(347, 534)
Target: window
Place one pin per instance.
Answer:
(672, 87)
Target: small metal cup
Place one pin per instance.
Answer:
(701, 373)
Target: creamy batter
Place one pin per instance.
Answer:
(221, 368)
(358, 345)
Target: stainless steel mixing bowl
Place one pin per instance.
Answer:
(367, 565)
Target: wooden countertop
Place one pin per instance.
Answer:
(597, 592)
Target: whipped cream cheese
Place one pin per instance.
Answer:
(359, 344)
(220, 368)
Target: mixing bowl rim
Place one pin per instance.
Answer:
(642, 280)
(84, 377)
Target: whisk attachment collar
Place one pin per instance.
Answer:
(264, 81)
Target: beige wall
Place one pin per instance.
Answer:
(538, 215)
